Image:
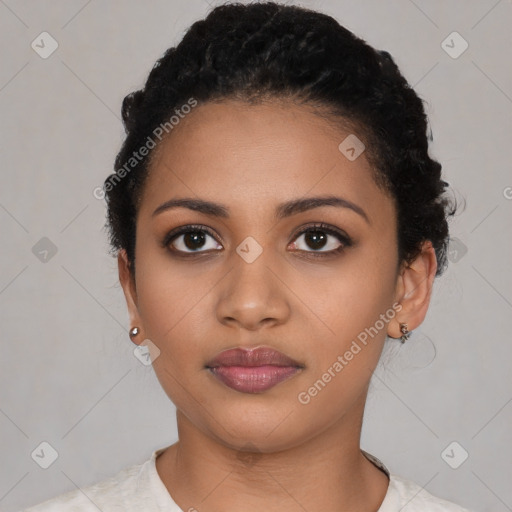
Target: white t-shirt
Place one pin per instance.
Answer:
(139, 488)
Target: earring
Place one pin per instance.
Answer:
(405, 333)
(133, 332)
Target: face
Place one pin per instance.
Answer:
(265, 266)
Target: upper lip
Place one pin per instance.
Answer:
(252, 357)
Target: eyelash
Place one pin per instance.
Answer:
(325, 228)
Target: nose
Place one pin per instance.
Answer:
(253, 295)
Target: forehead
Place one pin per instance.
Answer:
(253, 157)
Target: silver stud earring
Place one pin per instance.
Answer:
(405, 333)
(134, 331)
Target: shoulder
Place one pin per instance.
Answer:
(119, 492)
(411, 497)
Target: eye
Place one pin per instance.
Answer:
(320, 240)
(191, 239)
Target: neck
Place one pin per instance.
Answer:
(327, 472)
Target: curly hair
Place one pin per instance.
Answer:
(271, 51)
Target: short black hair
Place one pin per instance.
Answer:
(271, 51)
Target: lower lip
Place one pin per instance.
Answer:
(253, 379)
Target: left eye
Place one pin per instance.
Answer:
(321, 239)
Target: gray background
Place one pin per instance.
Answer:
(68, 375)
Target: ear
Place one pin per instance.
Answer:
(127, 281)
(414, 289)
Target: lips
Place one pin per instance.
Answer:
(253, 371)
(252, 357)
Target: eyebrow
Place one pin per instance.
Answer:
(282, 211)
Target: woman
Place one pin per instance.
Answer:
(276, 218)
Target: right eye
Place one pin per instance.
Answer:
(191, 239)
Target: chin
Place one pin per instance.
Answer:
(265, 431)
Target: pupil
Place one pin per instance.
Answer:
(193, 237)
(317, 238)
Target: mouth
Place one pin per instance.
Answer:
(253, 371)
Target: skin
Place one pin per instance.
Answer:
(268, 451)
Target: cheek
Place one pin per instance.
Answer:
(172, 298)
(166, 290)
(357, 311)
(167, 308)
(356, 306)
